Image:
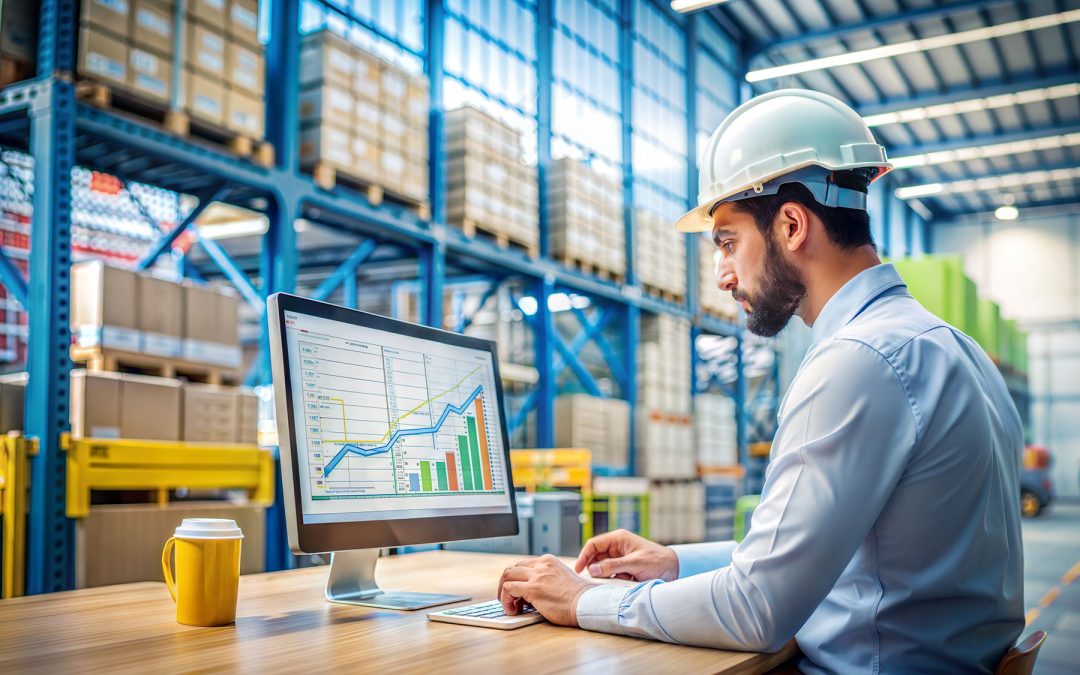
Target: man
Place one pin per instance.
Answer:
(888, 534)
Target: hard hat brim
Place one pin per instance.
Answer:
(698, 219)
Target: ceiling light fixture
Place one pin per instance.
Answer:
(684, 6)
(986, 151)
(973, 105)
(1004, 181)
(914, 46)
(1007, 211)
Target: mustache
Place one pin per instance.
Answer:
(740, 296)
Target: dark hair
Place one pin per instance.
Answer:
(847, 228)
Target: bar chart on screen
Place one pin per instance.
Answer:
(384, 422)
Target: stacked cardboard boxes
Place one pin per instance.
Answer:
(665, 442)
(664, 364)
(488, 186)
(217, 61)
(585, 217)
(715, 431)
(712, 299)
(363, 117)
(601, 425)
(659, 254)
(677, 512)
(117, 309)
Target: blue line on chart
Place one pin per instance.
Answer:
(401, 433)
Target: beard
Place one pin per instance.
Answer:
(782, 291)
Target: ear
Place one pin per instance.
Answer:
(793, 225)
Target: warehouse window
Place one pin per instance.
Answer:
(391, 30)
(716, 84)
(585, 93)
(659, 112)
(491, 62)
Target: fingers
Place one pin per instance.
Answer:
(610, 567)
(597, 548)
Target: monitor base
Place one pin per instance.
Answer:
(352, 582)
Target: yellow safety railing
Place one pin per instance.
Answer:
(548, 469)
(15, 453)
(123, 464)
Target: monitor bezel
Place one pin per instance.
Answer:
(349, 535)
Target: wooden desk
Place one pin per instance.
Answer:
(285, 625)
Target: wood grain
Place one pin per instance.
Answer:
(284, 624)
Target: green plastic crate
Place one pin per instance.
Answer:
(1009, 338)
(940, 285)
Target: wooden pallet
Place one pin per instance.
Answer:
(474, 230)
(665, 294)
(591, 269)
(100, 360)
(177, 122)
(328, 177)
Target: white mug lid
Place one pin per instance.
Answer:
(208, 528)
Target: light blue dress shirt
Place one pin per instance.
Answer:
(888, 535)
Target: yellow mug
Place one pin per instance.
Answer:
(207, 571)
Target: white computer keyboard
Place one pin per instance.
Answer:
(487, 615)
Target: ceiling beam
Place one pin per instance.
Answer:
(972, 183)
(839, 32)
(991, 143)
(964, 94)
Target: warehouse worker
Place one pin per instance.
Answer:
(888, 534)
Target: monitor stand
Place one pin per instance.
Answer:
(352, 581)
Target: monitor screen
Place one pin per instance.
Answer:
(390, 426)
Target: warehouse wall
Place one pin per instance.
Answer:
(1031, 267)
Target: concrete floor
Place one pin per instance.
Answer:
(1052, 586)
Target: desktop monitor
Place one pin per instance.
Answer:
(390, 434)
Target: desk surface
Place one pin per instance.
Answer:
(284, 624)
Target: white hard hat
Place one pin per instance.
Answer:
(785, 136)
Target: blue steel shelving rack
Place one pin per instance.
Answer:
(43, 117)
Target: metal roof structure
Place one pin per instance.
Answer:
(977, 102)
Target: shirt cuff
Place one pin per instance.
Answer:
(598, 608)
(700, 558)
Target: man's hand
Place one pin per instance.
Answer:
(546, 584)
(625, 555)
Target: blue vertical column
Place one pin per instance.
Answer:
(278, 261)
(544, 336)
(434, 54)
(693, 287)
(432, 278)
(741, 405)
(545, 39)
(51, 541)
(631, 326)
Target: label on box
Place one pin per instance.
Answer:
(246, 78)
(153, 22)
(161, 345)
(108, 337)
(207, 104)
(339, 61)
(99, 64)
(245, 18)
(245, 120)
(104, 432)
(154, 85)
(118, 6)
(218, 5)
(143, 62)
(212, 352)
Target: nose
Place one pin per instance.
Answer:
(725, 276)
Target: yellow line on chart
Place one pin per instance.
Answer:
(390, 430)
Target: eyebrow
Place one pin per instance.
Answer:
(720, 234)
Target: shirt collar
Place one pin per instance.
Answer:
(853, 297)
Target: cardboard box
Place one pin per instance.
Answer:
(159, 315)
(211, 326)
(210, 12)
(326, 144)
(245, 68)
(150, 74)
(12, 401)
(329, 103)
(205, 50)
(110, 16)
(227, 306)
(325, 57)
(199, 312)
(102, 57)
(247, 430)
(150, 408)
(393, 87)
(152, 27)
(205, 98)
(95, 404)
(367, 75)
(211, 414)
(104, 308)
(122, 543)
(365, 158)
(245, 114)
(244, 21)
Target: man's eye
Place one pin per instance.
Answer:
(728, 247)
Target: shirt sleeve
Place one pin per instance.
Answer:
(847, 430)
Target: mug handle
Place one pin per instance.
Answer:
(166, 566)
